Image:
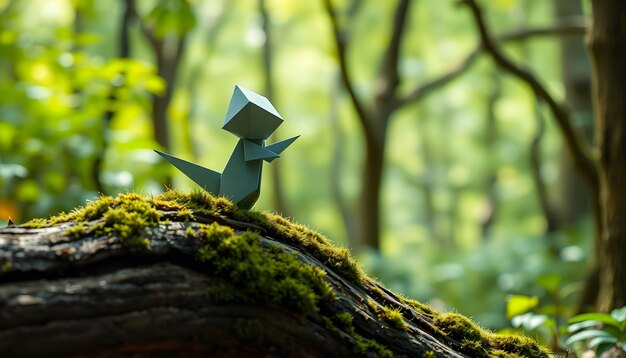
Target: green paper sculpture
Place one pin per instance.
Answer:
(252, 118)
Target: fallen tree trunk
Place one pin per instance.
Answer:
(191, 275)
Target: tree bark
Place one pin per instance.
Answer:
(608, 56)
(368, 230)
(92, 295)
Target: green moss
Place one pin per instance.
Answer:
(247, 329)
(343, 322)
(77, 230)
(478, 342)
(372, 306)
(429, 354)
(203, 204)
(36, 223)
(420, 307)
(125, 216)
(128, 217)
(6, 266)
(272, 277)
(517, 345)
(392, 315)
(185, 214)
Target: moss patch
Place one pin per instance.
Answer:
(125, 216)
(343, 322)
(247, 329)
(6, 266)
(477, 342)
(252, 274)
(277, 227)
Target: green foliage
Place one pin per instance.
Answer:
(544, 320)
(172, 16)
(601, 331)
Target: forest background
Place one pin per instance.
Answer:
(478, 204)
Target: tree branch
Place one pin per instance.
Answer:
(340, 42)
(571, 26)
(436, 83)
(389, 78)
(581, 153)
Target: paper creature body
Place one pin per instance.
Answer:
(252, 118)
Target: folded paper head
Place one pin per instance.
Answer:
(251, 116)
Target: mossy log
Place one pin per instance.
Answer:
(192, 275)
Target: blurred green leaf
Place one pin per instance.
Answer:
(550, 282)
(28, 191)
(597, 317)
(172, 16)
(9, 171)
(530, 321)
(585, 335)
(619, 314)
(574, 327)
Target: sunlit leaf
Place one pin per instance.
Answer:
(518, 304)
(156, 85)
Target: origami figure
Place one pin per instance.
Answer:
(252, 118)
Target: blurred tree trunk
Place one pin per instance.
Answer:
(608, 56)
(374, 119)
(572, 201)
(278, 195)
(368, 224)
(168, 51)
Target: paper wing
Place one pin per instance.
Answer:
(208, 179)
